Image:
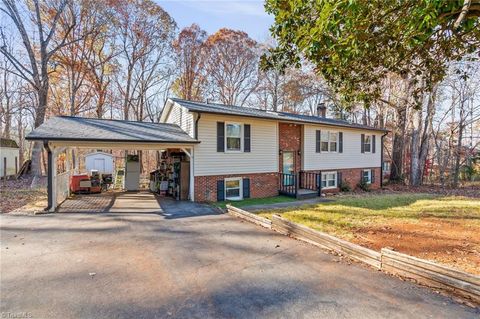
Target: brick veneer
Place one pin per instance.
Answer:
(290, 139)
(352, 177)
(261, 185)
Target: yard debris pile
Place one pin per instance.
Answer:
(18, 193)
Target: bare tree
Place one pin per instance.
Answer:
(232, 66)
(37, 24)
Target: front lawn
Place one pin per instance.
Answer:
(445, 229)
(256, 201)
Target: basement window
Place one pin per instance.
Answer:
(233, 188)
(329, 180)
(367, 176)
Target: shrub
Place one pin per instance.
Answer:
(344, 186)
(364, 186)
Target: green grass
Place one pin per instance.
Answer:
(343, 215)
(256, 201)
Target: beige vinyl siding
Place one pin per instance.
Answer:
(182, 117)
(352, 157)
(263, 157)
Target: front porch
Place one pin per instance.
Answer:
(301, 185)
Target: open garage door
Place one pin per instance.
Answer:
(63, 132)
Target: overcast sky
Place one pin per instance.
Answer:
(246, 15)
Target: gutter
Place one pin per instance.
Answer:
(49, 176)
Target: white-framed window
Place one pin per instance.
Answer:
(233, 137)
(367, 144)
(367, 176)
(329, 180)
(328, 141)
(233, 189)
(386, 166)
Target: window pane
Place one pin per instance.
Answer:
(333, 137)
(234, 192)
(333, 146)
(367, 147)
(233, 143)
(232, 184)
(367, 139)
(331, 183)
(324, 183)
(324, 146)
(324, 136)
(233, 130)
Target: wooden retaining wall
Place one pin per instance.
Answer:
(423, 271)
(253, 218)
(431, 274)
(353, 251)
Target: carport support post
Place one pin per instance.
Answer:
(51, 177)
(191, 186)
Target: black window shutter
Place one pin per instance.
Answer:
(246, 138)
(361, 175)
(372, 180)
(246, 187)
(317, 141)
(373, 143)
(362, 141)
(220, 137)
(220, 190)
(340, 142)
(339, 178)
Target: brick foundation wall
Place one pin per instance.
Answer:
(352, 177)
(290, 139)
(261, 185)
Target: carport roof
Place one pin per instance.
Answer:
(69, 128)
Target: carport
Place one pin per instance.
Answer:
(63, 132)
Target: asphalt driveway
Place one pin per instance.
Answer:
(187, 261)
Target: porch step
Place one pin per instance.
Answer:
(306, 193)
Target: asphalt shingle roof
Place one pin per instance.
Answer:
(68, 128)
(259, 113)
(6, 142)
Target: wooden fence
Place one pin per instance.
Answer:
(423, 271)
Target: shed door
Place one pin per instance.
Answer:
(99, 165)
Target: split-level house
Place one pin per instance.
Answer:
(252, 153)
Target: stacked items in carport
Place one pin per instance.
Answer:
(171, 178)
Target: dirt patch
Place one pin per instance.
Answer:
(454, 243)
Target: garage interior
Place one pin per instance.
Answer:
(104, 188)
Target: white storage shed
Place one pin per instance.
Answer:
(100, 161)
(9, 155)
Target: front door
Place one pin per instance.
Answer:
(288, 167)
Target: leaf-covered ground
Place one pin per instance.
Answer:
(17, 193)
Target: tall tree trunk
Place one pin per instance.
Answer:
(39, 119)
(415, 177)
(396, 170)
(425, 141)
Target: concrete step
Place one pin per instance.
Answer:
(306, 193)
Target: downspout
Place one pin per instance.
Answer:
(381, 160)
(199, 115)
(49, 176)
(192, 159)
